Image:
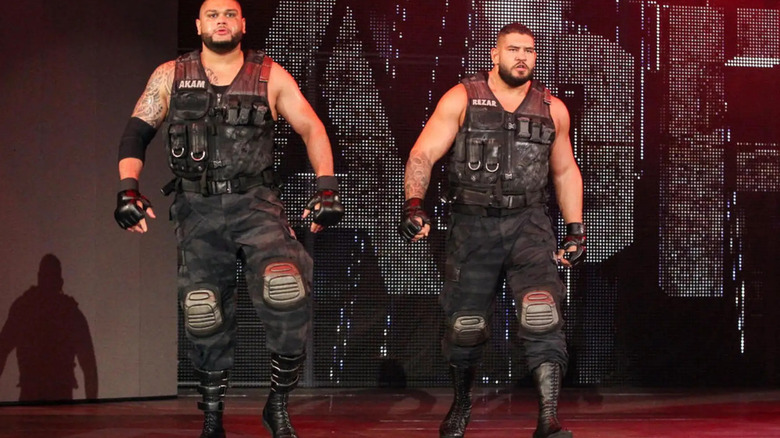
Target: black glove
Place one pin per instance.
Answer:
(412, 211)
(331, 210)
(575, 236)
(128, 213)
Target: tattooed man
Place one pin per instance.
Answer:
(506, 136)
(218, 106)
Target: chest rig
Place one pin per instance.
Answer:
(216, 138)
(501, 159)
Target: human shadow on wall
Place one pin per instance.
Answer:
(49, 333)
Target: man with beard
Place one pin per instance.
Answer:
(509, 134)
(219, 106)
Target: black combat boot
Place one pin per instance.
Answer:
(547, 377)
(213, 386)
(454, 424)
(284, 378)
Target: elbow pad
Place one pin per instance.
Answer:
(137, 136)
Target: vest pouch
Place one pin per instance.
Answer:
(190, 105)
(233, 108)
(260, 115)
(548, 135)
(177, 140)
(474, 152)
(244, 111)
(458, 157)
(536, 132)
(523, 127)
(198, 136)
(492, 149)
(459, 150)
(176, 143)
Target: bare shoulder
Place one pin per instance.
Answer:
(164, 74)
(560, 116)
(286, 99)
(454, 102)
(280, 80)
(456, 95)
(558, 108)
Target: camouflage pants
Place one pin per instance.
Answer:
(481, 249)
(211, 231)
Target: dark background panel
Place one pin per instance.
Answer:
(685, 299)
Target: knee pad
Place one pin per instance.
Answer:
(283, 287)
(468, 329)
(538, 312)
(202, 311)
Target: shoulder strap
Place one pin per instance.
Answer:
(185, 65)
(541, 88)
(265, 70)
(477, 87)
(263, 60)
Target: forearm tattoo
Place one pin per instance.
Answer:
(418, 176)
(153, 104)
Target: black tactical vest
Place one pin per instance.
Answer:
(501, 159)
(220, 137)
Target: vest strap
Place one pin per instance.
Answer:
(265, 69)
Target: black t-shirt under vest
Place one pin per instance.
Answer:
(498, 153)
(224, 135)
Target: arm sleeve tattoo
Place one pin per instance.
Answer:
(152, 107)
(418, 176)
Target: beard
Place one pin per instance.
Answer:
(513, 81)
(222, 47)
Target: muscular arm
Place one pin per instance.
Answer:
(434, 141)
(152, 108)
(286, 99)
(565, 172)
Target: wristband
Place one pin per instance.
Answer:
(575, 229)
(327, 182)
(128, 184)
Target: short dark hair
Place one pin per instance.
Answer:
(520, 28)
(240, 6)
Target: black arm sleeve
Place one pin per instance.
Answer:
(137, 136)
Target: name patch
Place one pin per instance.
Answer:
(198, 83)
(484, 102)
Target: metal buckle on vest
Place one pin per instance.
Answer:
(202, 156)
(220, 187)
(479, 164)
(487, 167)
(177, 152)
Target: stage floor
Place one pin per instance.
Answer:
(411, 413)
